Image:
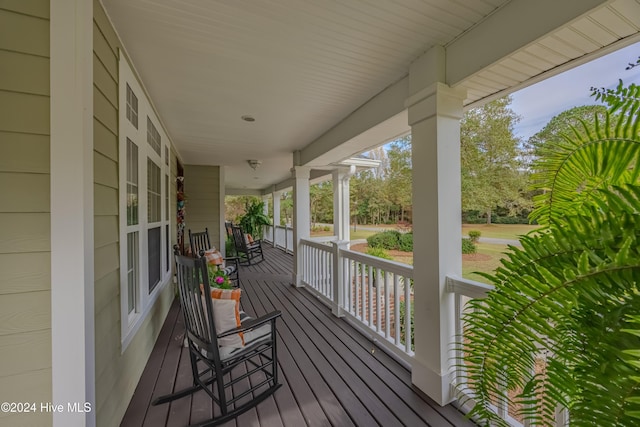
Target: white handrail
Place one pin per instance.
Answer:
(374, 293)
(384, 264)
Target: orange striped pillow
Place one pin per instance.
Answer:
(213, 257)
(232, 294)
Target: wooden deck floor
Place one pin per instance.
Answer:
(331, 374)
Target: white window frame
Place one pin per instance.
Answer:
(144, 300)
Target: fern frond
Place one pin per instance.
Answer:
(562, 326)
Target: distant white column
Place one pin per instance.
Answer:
(276, 214)
(265, 207)
(301, 217)
(341, 209)
(434, 111)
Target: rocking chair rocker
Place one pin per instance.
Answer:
(211, 361)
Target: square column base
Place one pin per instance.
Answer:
(435, 385)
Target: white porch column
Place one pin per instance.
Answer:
(265, 211)
(72, 210)
(276, 213)
(301, 217)
(341, 213)
(435, 111)
(265, 207)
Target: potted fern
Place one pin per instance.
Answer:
(254, 219)
(561, 329)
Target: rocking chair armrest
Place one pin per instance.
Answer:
(252, 324)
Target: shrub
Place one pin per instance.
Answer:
(474, 235)
(378, 252)
(389, 239)
(468, 247)
(406, 242)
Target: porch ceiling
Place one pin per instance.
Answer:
(302, 68)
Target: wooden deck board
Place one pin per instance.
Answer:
(331, 374)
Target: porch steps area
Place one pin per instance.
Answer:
(331, 374)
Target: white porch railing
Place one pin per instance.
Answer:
(464, 290)
(280, 236)
(374, 293)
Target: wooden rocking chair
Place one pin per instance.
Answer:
(211, 362)
(246, 250)
(200, 242)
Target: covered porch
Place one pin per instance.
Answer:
(331, 373)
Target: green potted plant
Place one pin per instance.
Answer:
(254, 219)
(217, 277)
(561, 329)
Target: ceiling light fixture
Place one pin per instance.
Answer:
(255, 164)
(248, 118)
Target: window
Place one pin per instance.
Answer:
(145, 226)
(132, 107)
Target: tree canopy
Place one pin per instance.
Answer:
(491, 159)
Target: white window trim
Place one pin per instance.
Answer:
(131, 323)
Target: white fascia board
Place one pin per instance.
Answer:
(515, 25)
(385, 105)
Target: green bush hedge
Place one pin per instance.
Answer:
(468, 247)
(406, 242)
(378, 252)
(391, 240)
(474, 235)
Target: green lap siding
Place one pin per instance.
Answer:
(25, 230)
(202, 185)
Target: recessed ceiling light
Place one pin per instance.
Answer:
(248, 118)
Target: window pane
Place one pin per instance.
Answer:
(154, 192)
(154, 238)
(132, 183)
(132, 107)
(153, 137)
(132, 270)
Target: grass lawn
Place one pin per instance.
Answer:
(359, 234)
(499, 231)
(486, 260)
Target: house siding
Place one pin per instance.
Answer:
(117, 372)
(25, 231)
(202, 190)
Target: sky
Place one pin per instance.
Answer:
(538, 103)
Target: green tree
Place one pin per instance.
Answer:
(561, 124)
(491, 166)
(398, 179)
(236, 206)
(321, 198)
(569, 301)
